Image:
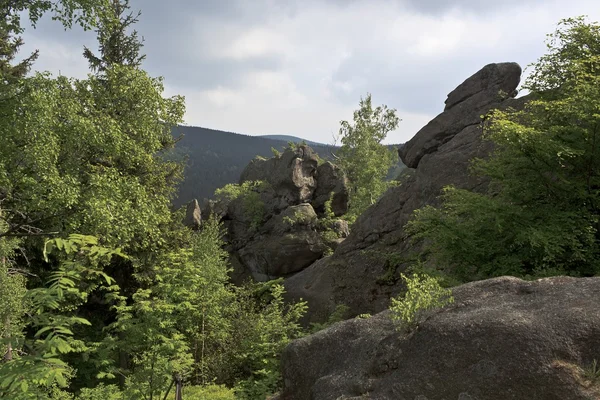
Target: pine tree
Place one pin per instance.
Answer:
(116, 45)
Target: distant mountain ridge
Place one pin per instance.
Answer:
(295, 139)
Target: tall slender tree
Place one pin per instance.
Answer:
(363, 157)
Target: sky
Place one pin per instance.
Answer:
(299, 67)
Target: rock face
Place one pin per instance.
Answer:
(486, 89)
(502, 339)
(286, 236)
(364, 270)
(193, 215)
(292, 175)
(332, 183)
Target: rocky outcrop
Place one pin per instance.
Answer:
(288, 243)
(489, 87)
(501, 339)
(274, 230)
(193, 215)
(292, 175)
(364, 270)
(333, 186)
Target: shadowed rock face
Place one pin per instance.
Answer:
(332, 184)
(359, 274)
(501, 339)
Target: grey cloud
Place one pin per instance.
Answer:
(440, 7)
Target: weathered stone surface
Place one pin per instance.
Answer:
(287, 243)
(286, 237)
(331, 182)
(494, 79)
(360, 273)
(488, 87)
(291, 174)
(281, 255)
(193, 215)
(502, 339)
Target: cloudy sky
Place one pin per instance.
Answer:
(298, 67)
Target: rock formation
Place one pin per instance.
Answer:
(501, 339)
(193, 215)
(364, 270)
(278, 231)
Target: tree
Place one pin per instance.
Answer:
(363, 157)
(117, 47)
(540, 215)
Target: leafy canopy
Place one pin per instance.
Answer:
(362, 155)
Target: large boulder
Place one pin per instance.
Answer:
(501, 339)
(288, 243)
(364, 270)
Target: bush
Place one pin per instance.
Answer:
(423, 293)
(254, 207)
(208, 392)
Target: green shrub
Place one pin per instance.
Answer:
(276, 153)
(208, 392)
(423, 293)
(254, 207)
(101, 392)
(299, 218)
(339, 314)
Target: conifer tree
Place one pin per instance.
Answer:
(116, 45)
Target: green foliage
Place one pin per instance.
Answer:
(326, 225)
(208, 392)
(299, 218)
(263, 329)
(37, 367)
(423, 293)
(13, 305)
(363, 157)
(541, 214)
(249, 194)
(339, 314)
(276, 153)
(101, 392)
(592, 372)
(117, 45)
